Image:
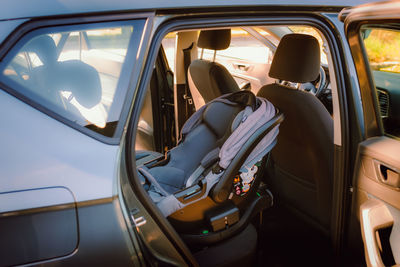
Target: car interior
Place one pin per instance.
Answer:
(286, 209)
(255, 145)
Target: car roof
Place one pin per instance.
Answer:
(18, 9)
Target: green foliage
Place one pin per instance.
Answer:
(383, 49)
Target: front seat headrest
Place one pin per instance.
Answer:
(214, 39)
(297, 59)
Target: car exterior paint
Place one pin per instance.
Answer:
(45, 156)
(43, 8)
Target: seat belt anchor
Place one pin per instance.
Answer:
(188, 98)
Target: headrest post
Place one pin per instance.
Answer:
(215, 53)
(201, 55)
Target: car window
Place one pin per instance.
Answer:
(75, 71)
(382, 46)
(245, 47)
(169, 43)
(245, 58)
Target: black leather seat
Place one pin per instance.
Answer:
(209, 79)
(301, 165)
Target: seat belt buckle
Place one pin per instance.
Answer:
(188, 99)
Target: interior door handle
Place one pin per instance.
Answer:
(241, 66)
(374, 215)
(389, 176)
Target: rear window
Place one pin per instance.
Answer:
(76, 71)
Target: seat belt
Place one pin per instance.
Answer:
(187, 59)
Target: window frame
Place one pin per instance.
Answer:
(370, 104)
(129, 75)
(385, 25)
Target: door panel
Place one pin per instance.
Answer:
(374, 216)
(372, 31)
(377, 203)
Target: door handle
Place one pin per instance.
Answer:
(390, 176)
(245, 86)
(387, 175)
(241, 66)
(374, 215)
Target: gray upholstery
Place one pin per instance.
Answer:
(209, 80)
(214, 39)
(143, 156)
(210, 139)
(301, 166)
(297, 59)
(216, 117)
(205, 137)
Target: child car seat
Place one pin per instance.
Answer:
(208, 182)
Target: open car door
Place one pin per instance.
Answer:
(373, 33)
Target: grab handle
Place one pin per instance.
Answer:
(374, 215)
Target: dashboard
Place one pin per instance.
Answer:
(388, 94)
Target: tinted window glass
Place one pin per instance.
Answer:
(76, 71)
(382, 47)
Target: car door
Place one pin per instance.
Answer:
(373, 33)
(66, 85)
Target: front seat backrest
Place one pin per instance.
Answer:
(301, 171)
(208, 79)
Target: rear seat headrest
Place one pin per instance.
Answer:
(297, 59)
(44, 47)
(214, 39)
